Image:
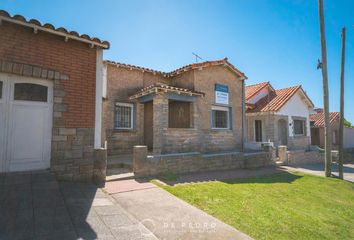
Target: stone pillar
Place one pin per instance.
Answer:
(100, 167)
(282, 153)
(139, 159)
(160, 121)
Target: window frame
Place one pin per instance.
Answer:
(304, 130)
(255, 130)
(224, 109)
(32, 84)
(122, 104)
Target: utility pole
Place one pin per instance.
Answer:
(328, 151)
(341, 120)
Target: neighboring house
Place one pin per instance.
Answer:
(196, 108)
(50, 89)
(317, 130)
(280, 116)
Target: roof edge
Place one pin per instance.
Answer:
(49, 28)
(181, 69)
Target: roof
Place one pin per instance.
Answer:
(276, 100)
(164, 88)
(188, 67)
(317, 119)
(252, 90)
(47, 27)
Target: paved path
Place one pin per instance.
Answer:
(36, 206)
(318, 169)
(171, 218)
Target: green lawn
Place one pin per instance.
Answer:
(280, 206)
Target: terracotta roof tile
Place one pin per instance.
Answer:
(164, 87)
(317, 119)
(252, 90)
(182, 69)
(275, 100)
(47, 27)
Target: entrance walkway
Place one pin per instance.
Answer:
(36, 206)
(168, 217)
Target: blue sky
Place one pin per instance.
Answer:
(276, 41)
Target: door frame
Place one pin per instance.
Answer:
(9, 105)
(4, 114)
(285, 129)
(260, 129)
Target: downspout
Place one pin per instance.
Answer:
(99, 95)
(243, 114)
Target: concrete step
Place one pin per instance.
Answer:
(115, 174)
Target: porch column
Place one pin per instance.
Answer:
(160, 121)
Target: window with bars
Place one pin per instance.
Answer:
(124, 116)
(220, 117)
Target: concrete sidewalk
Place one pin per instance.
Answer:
(35, 206)
(168, 217)
(318, 169)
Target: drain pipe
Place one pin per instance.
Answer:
(243, 114)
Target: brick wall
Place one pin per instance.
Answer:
(72, 67)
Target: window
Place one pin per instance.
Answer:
(124, 116)
(30, 92)
(299, 127)
(1, 89)
(179, 115)
(258, 130)
(220, 117)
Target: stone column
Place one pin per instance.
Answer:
(282, 153)
(160, 121)
(100, 167)
(139, 159)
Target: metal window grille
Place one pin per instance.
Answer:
(124, 116)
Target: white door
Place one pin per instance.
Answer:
(28, 123)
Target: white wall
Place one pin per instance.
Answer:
(296, 107)
(348, 141)
(259, 95)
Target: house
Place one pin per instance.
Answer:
(281, 116)
(317, 130)
(196, 108)
(50, 98)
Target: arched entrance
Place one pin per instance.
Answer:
(282, 132)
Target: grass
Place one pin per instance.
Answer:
(280, 206)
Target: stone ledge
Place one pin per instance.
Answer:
(31, 71)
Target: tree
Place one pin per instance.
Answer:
(341, 119)
(328, 151)
(348, 124)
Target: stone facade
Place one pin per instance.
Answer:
(270, 131)
(124, 81)
(71, 66)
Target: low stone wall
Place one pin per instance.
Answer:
(348, 155)
(304, 157)
(299, 143)
(144, 165)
